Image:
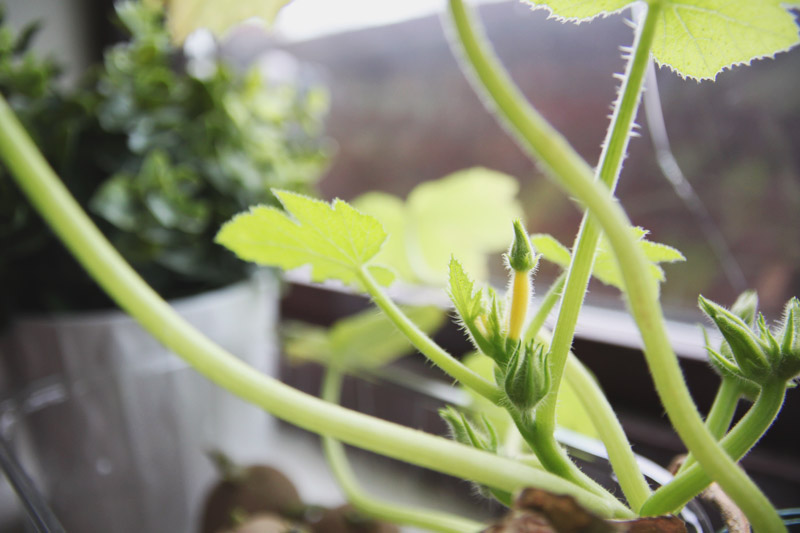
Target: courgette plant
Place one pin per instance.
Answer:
(695, 38)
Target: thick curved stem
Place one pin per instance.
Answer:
(620, 453)
(744, 435)
(605, 421)
(721, 413)
(561, 163)
(580, 268)
(381, 510)
(71, 224)
(553, 457)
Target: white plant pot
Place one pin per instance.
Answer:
(119, 427)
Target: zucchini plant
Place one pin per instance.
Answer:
(696, 39)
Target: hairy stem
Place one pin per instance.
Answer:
(426, 345)
(744, 435)
(561, 163)
(553, 457)
(620, 453)
(373, 507)
(580, 268)
(71, 224)
(605, 421)
(721, 413)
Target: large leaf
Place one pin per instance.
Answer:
(467, 214)
(391, 211)
(700, 38)
(366, 340)
(185, 16)
(335, 239)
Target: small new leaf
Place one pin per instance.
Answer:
(465, 214)
(746, 307)
(335, 239)
(605, 265)
(700, 38)
(551, 249)
(467, 301)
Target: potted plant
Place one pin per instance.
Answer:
(161, 144)
(528, 364)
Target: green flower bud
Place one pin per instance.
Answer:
(521, 257)
(746, 306)
(748, 350)
(789, 367)
(454, 421)
(790, 336)
(727, 368)
(463, 431)
(768, 340)
(527, 377)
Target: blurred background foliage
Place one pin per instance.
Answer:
(403, 113)
(162, 144)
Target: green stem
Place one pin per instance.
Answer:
(721, 413)
(580, 268)
(566, 167)
(553, 457)
(722, 410)
(620, 453)
(426, 345)
(71, 224)
(337, 459)
(548, 302)
(744, 435)
(605, 421)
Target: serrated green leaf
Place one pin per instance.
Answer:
(335, 239)
(551, 249)
(455, 215)
(467, 301)
(390, 210)
(661, 253)
(607, 271)
(366, 340)
(700, 38)
(605, 265)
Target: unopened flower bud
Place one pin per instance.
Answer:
(749, 352)
(746, 307)
(527, 377)
(521, 257)
(790, 336)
